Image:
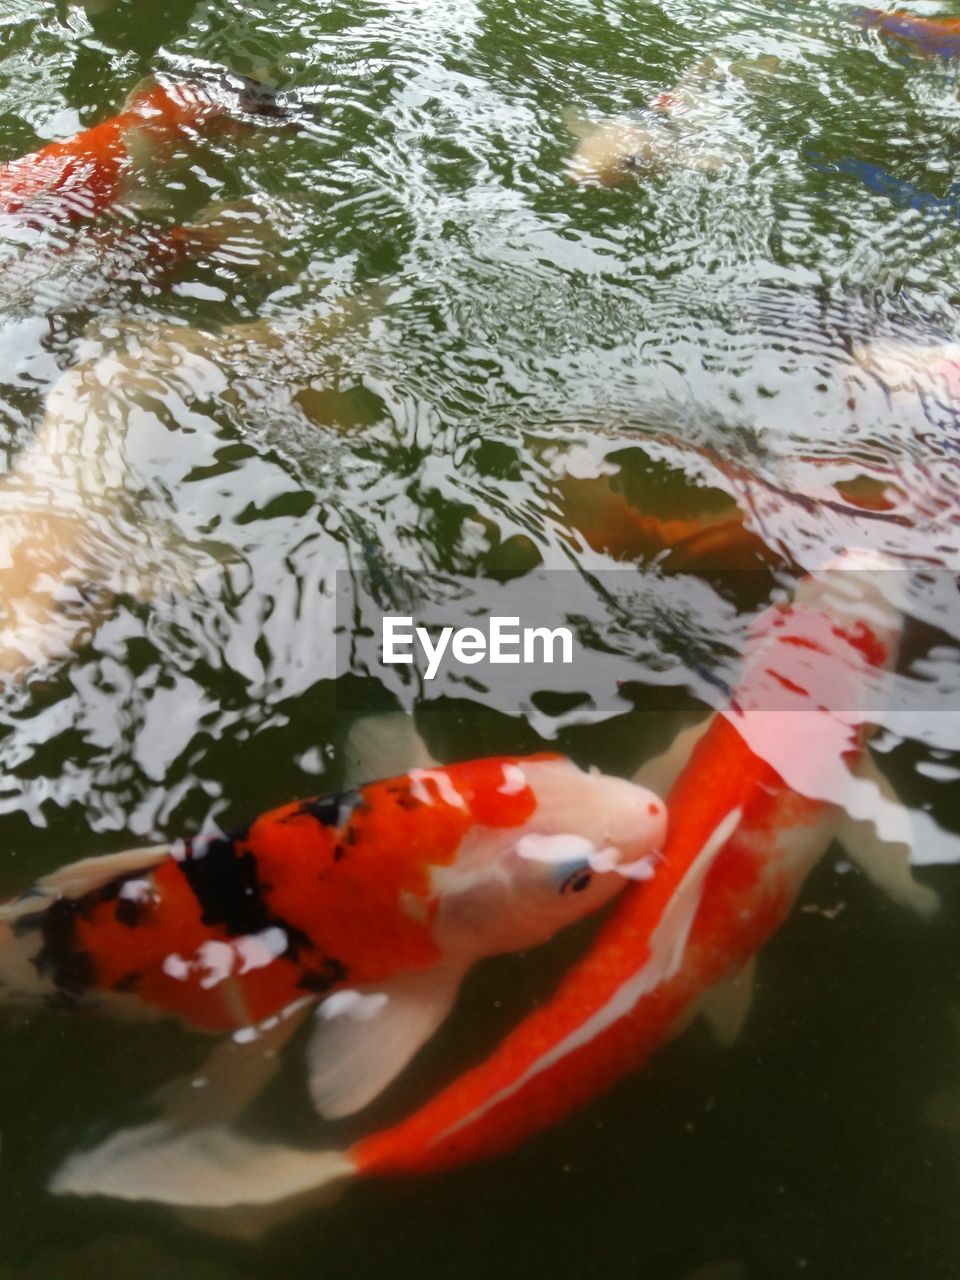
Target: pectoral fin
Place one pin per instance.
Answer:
(882, 844)
(384, 747)
(232, 1076)
(577, 124)
(364, 1038)
(727, 1005)
(659, 774)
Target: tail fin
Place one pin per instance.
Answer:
(22, 918)
(211, 1169)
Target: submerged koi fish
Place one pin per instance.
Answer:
(669, 130)
(378, 898)
(761, 794)
(931, 369)
(83, 176)
(936, 37)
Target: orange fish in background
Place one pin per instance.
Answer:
(936, 37)
(758, 798)
(375, 900)
(721, 535)
(84, 176)
(610, 523)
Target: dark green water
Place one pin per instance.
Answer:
(444, 327)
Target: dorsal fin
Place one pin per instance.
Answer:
(384, 747)
(85, 876)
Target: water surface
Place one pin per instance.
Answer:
(452, 347)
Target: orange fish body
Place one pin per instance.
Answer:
(224, 931)
(756, 805)
(623, 1000)
(83, 176)
(936, 37)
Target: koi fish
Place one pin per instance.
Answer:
(667, 131)
(932, 368)
(615, 149)
(55, 279)
(723, 514)
(374, 901)
(83, 176)
(80, 521)
(935, 37)
(758, 797)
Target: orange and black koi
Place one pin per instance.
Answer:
(431, 869)
(84, 176)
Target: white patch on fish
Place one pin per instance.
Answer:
(445, 788)
(353, 1004)
(514, 780)
(257, 950)
(139, 891)
(560, 848)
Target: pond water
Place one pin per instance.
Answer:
(424, 355)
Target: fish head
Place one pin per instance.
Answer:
(617, 149)
(588, 835)
(164, 101)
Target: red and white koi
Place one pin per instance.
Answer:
(761, 794)
(375, 901)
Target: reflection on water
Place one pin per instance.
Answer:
(398, 340)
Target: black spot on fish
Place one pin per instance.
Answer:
(319, 981)
(297, 940)
(59, 958)
(333, 810)
(406, 800)
(224, 882)
(130, 912)
(129, 982)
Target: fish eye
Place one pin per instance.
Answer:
(577, 880)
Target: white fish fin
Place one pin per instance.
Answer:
(232, 1076)
(668, 942)
(727, 1005)
(85, 876)
(364, 1039)
(659, 774)
(252, 1221)
(884, 857)
(198, 1168)
(384, 747)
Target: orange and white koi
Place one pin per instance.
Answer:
(676, 128)
(85, 175)
(762, 794)
(375, 901)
